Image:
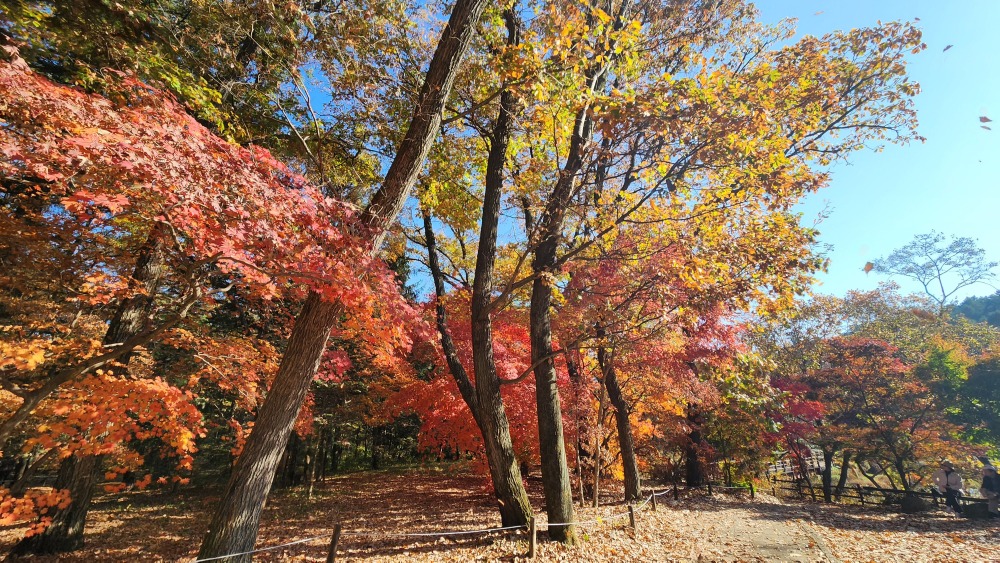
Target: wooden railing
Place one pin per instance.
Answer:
(856, 493)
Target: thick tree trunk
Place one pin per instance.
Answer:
(555, 472)
(625, 442)
(235, 524)
(552, 446)
(79, 476)
(828, 454)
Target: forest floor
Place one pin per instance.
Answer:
(372, 506)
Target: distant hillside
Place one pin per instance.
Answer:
(981, 309)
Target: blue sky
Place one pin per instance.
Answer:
(950, 182)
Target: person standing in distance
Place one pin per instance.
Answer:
(949, 483)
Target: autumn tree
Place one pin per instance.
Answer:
(143, 210)
(933, 355)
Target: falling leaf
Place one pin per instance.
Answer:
(948, 47)
(984, 119)
(818, 13)
(987, 128)
(868, 267)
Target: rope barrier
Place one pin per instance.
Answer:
(433, 534)
(273, 547)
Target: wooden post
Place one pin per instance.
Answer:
(332, 556)
(654, 501)
(861, 494)
(774, 480)
(753, 494)
(675, 490)
(631, 517)
(709, 488)
(532, 538)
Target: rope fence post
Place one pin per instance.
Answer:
(861, 494)
(675, 491)
(654, 501)
(753, 493)
(631, 517)
(332, 556)
(709, 488)
(532, 538)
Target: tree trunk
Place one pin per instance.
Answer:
(79, 476)
(577, 380)
(693, 466)
(312, 455)
(828, 454)
(483, 399)
(234, 526)
(901, 472)
(844, 472)
(515, 509)
(28, 471)
(552, 446)
(236, 521)
(625, 441)
(597, 446)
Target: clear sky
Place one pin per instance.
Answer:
(950, 183)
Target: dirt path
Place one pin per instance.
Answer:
(725, 529)
(777, 539)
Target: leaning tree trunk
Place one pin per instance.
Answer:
(625, 442)
(515, 509)
(234, 526)
(484, 399)
(79, 475)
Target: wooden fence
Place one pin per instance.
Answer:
(806, 490)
